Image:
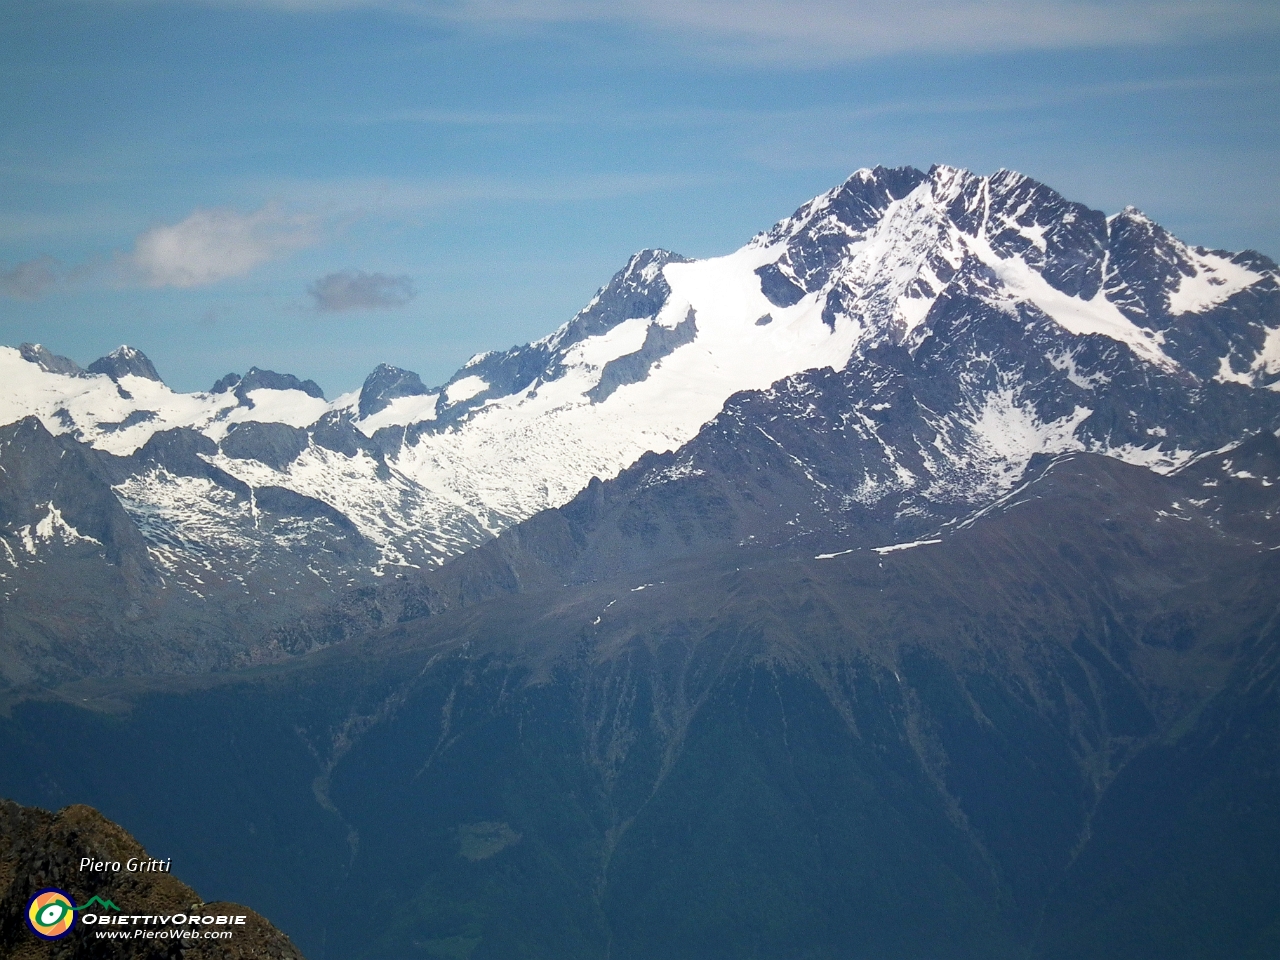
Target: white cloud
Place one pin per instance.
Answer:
(213, 245)
(347, 200)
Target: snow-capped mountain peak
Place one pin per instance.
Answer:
(125, 361)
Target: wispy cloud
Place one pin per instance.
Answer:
(357, 290)
(818, 30)
(207, 246)
(465, 118)
(1032, 96)
(345, 201)
(213, 245)
(810, 31)
(31, 278)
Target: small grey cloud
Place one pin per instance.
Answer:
(357, 290)
(31, 278)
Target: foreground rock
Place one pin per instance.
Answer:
(39, 850)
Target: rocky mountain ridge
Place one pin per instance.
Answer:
(898, 349)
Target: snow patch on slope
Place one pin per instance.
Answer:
(1226, 375)
(1005, 433)
(1265, 364)
(1076, 315)
(292, 407)
(1216, 279)
(52, 526)
(401, 411)
(1066, 361)
(627, 337)
(1153, 458)
(465, 389)
(895, 547)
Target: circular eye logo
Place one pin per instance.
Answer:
(51, 914)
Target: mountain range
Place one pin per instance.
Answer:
(916, 337)
(903, 584)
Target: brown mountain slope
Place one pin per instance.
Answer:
(39, 849)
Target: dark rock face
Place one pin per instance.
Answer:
(39, 849)
(1072, 238)
(41, 471)
(505, 372)
(49, 362)
(125, 361)
(257, 379)
(778, 285)
(77, 571)
(1145, 264)
(275, 444)
(133, 419)
(285, 501)
(820, 233)
(182, 452)
(385, 384)
(335, 431)
(225, 383)
(178, 449)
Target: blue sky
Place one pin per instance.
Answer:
(317, 186)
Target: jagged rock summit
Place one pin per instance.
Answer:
(49, 362)
(125, 361)
(385, 384)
